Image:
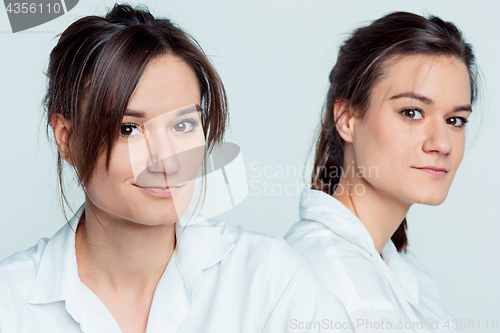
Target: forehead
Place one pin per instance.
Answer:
(168, 83)
(441, 78)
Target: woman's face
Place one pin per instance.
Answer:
(415, 120)
(161, 144)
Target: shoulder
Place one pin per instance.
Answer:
(280, 280)
(345, 268)
(17, 273)
(283, 275)
(315, 241)
(312, 231)
(242, 236)
(20, 263)
(309, 232)
(305, 227)
(257, 244)
(349, 272)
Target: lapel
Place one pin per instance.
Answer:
(323, 208)
(402, 271)
(200, 245)
(52, 281)
(57, 280)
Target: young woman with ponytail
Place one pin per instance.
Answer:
(392, 135)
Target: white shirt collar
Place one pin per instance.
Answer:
(199, 246)
(315, 205)
(323, 208)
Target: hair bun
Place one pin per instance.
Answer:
(124, 14)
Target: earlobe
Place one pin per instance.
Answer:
(344, 119)
(60, 127)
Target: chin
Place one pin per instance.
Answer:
(158, 219)
(165, 213)
(431, 197)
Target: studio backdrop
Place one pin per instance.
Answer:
(274, 58)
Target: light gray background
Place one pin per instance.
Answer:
(274, 58)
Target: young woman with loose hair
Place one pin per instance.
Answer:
(392, 135)
(135, 107)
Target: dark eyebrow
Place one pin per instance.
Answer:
(413, 95)
(188, 110)
(463, 108)
(140, 114)
(136, 114)
(429, 101)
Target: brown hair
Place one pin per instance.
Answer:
(95, 67)
(360, 65)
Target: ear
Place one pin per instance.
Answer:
(344, 124)
(60, 127)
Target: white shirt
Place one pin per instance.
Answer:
(221, 278)
(395, 288)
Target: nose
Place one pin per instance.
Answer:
(437, 138)
(162, 155)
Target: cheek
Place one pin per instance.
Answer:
(190, 151)
(134, 156)
(120, 164)
(194, 140)
(98, 187)
(458, 148)
(119, 171)
(381, 149)
(457, 153)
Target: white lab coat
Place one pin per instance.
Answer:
(221, 278)
(396, 288)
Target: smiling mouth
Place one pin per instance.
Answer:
(160, 187)
(160, 191)
(434, 172)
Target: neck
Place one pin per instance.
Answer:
(120, 255)
(380, 212)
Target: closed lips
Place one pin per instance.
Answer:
(160, 187)
(433, 168)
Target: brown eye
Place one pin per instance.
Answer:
(413, 114)
(457, 121)
(180, 127)
(184, 126)
(128, 130)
